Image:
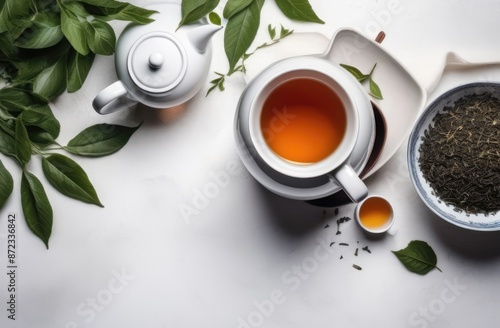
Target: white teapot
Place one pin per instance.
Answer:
(158, 64)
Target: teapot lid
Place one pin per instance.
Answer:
(157, 62)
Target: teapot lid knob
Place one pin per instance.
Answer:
(156, 60)
(147, 65)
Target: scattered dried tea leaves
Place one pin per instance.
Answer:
(357, 267)
(340, 221)
(324, 219)
(460, 154)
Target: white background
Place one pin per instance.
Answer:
(249, 258)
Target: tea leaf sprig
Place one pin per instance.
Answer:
(219, 82)
(48, 47)
(243, 22)
(375, 91)
(418, 257)
(28, 128)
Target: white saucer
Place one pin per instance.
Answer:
(317, 187)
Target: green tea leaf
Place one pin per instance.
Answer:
(74, 25)
(233, 7)
(284, 32)
(51, 82)
(78, 68)
(300, 10)
(22, 143)
(272, 31)
(7, 184)
(14, 17)
(102, 38)
(195, 10)
(36, 207)
(7, 48)
(7, 134)
(240, 32)
(16, 100)
(214, 18)
(100, 140)
(7, 141)
(69, 178)
(375, 90)
(133, 14)
(217, 83)
(355, 72)
(44, 32)
(111, 9)
(42, 126)
(417, 257)
(29, 68)
(44, 6)
(103, 3)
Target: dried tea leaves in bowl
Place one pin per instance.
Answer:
(460, 154)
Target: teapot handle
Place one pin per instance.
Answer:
(108, 100)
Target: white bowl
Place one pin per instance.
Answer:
(481, 222)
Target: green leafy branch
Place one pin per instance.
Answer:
(29, 128)
(46, 48)
(375, 91)
(219, 82)
(243, 22)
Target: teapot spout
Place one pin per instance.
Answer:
(200, 36)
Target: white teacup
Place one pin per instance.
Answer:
(335, 164)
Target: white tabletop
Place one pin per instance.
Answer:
(245, 257)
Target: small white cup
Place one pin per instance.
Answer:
(375, 216)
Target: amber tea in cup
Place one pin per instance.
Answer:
(303, 121)
(375, 215)
(303, 125)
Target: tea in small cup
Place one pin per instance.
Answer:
(375, 215)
